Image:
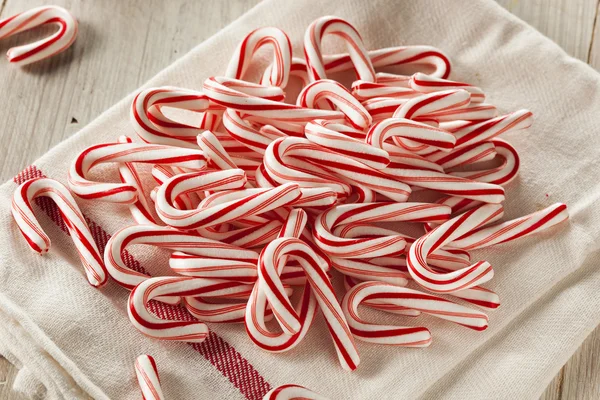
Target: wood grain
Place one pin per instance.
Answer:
(124, 43)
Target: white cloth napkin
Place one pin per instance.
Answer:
(72, 340)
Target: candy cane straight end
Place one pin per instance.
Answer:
(148, 379)
(57, 42)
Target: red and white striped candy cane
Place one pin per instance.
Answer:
(502, 174)
(427, 56)
(461, 279)
(140, 210)
(478, 152)
(164, 329)
(408, 298)
(371, 247)
(292, 392)
(297, 70)
(80, 233)
(44, 48)
(255, 203)
(306, 309)
(262, 101)
(357, 52)
(151, 124)
(296, 160)
(327, 135)
(148, 379)
(254, 138)
(326, 91)
(161, 174)
(282, 55)
(269, 268)
(426, 84)
(514, 229)
(422, 106)
(120, 153)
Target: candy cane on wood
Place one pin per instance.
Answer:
(408, 298)
(465, 278)
(148, 379)
(79, 231)
(357, 52)
(282, 55)
(120, 153)
(292, 392)
(164, 329)
(44, 48)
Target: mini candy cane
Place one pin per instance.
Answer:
(269, 270)
(44, 48)
(502, 174)
(187, 331)
(140, 210)
(256, 139)
(478, 152)
(258, 202)
(426, 84)
(39, 241)
(461, 279)
(125, 152)
(336, 94)
(343, 29)
(148, 379)
(230, 261)
(292, 392)
(371, 247)
(306, 309)
(283, 156)
(152, 126)
(514, 229)
(410, 299)
(282, 55)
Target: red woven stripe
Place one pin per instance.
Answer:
(223, 356)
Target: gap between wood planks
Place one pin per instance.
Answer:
(589, 55)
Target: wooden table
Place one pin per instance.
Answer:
(124, 43)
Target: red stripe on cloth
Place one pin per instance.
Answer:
(223, 356)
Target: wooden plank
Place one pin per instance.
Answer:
(569, 23)
(594, 56)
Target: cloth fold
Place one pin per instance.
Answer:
(76, 341)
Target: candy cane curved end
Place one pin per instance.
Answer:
(44, 48)
(292, 392)
(146, 372)
(80, 233)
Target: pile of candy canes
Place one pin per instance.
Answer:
(268, 197)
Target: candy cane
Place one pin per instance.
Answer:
(125, 152)
(148, 379)
(44, 48)
(282, 163)
(291, 392)
(39, 241)
(282, 55)
(461, 279)
(338, 27)
(477, 152)
(152, 126)
(408, 298)
(502, 174)
(256, 139)
(187, 331)
(371, 247)
(306, 309)
(269, 270)
(426, 84)
(313, 95)
(256, 203)
(161, 174)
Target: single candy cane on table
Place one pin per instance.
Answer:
(160, 287)
(357, 52)
(409, 299)
(306, 309)
(148, 379)
(269, 268)
(369, 246)
(140, 210)
(44, 48)
(121, 153)
(79, 231)
(283, 155)
(292, 392)
(461, 279)
(282, 55)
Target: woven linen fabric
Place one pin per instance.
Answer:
(72, 341)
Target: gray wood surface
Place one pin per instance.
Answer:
(124, 43)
